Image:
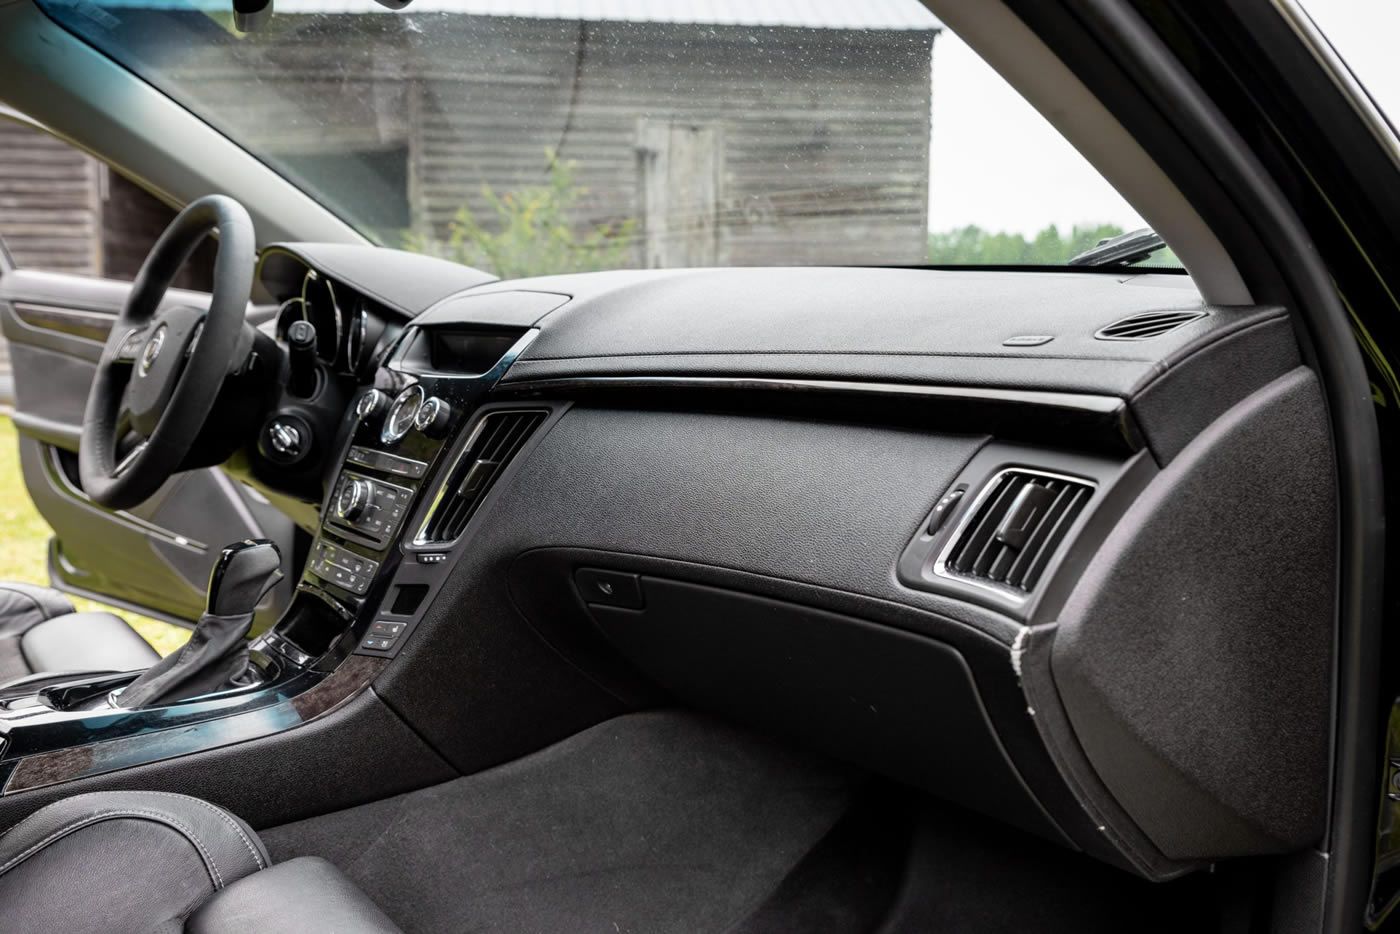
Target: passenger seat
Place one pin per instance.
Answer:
(42, 634)
(136, 862)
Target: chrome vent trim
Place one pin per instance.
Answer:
(1147, 325)
(494, 441)
(977, 554)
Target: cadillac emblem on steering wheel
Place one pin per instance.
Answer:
(151, 351)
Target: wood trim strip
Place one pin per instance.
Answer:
(66, 765)
(90, 325)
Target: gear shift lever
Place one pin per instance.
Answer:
(244, 573)
(216, 656)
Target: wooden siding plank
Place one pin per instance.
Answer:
(809, 117)
(49, 209)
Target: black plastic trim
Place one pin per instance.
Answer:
(1096, 422)
(1115, 483)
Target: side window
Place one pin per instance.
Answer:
(63, 211)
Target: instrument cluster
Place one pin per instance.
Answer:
(352, 332)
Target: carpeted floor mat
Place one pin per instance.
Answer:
(653, 822)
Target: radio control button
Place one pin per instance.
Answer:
(372, 405)
(433, 418)
(356, 493)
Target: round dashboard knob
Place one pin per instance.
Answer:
(401, 415)
(355, 495)
(433, 417)
(284, 439)
(371, 404)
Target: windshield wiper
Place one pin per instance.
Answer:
(1131, 247)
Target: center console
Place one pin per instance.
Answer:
(408, 450)
(395, 470)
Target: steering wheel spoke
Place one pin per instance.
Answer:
(131, 457)
(131, 344)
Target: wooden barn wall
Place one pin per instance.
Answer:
(62, 211)
(50, 207)
(814, 122)
(132, 220)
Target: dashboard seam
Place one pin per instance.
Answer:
(839, 353)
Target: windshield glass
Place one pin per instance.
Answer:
(536, 136)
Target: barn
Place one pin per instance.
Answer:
(63, 211)
(706, 132)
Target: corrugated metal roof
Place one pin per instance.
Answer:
(815, 14)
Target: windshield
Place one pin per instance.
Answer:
(530, 137)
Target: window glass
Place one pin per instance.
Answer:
(538, 136)
(1363, 33)
(50, 214)
(63, 211)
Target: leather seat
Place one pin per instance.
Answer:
(153, 861)
(41, 632)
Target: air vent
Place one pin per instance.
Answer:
(496, 439)
(1150, 324)
(1016, 526)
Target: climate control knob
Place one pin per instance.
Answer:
(371, 405)
(356, 493)
(433, 417)
(401, 414)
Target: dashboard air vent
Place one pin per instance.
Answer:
(1150, 324)
(1018, 523)
(496, 439)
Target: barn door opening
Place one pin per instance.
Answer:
(680, 176)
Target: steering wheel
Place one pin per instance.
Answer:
(161, 370)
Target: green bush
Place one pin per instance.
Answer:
(531, 232)
(973, 246)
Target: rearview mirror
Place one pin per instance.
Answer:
(252, 15)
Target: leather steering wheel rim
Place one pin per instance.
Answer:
(170, 364)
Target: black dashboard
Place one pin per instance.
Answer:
(1035, 523)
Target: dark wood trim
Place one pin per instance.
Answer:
(66, 765)
(75, 322)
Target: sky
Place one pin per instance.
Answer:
(998, 164)
(1363, 33)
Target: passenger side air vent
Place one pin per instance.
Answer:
(496, 439)
(1016, 525)
(1150, 324)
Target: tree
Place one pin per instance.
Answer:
(532, 232)
(973, 246)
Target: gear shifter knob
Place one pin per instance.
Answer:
(245, 571)
(216, 656)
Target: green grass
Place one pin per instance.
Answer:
(24, 546)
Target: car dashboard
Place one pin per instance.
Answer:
(1053, 546)
(949, 489)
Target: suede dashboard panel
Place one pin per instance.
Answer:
(1194, 657)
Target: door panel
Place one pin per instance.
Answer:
(155, 557)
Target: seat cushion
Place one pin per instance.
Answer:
(301, 895)
(21, 607)
(40, 632)
(139, 862)
(24, 605)
(120, 862)
(86, 642)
